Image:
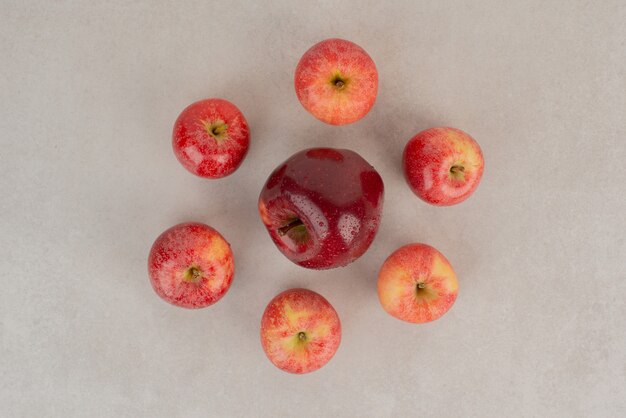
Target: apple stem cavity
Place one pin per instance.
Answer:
(192, 275)
(216, 129)
(339, 82)
(293, 224)
(457, 169)
(457, 172)
(302, 336)
(420, 288)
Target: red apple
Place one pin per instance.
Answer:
(300, 331)
(211, 138)
(443, 166)
(322, 207)
(417, 284)
(336, 81)
(191, 265)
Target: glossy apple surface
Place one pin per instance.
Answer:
(211, 138)
(300, 331)
(322, 207)
(336, 81)
(443, 166)
(417, 284)
(191, 265)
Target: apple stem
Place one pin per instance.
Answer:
(302, 336)
(284, 229)
(339, 84)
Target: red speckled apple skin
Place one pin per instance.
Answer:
(185, 246)
(291, 313)
(204, 154)
(428, 159)
(417, 284)
(325, 63)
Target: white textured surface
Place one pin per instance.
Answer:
(88, 96)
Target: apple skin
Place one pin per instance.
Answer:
(211, 138)
(443, 166)
(191, 265)
(334, 197)
(417, 284)
(300, 331)
(336, 81)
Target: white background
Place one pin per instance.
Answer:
(88, 97)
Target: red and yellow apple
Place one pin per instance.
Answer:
(417, 284)
(211, 138)
(443, 166)
(336, 81)
(191, 265)
(300, 331)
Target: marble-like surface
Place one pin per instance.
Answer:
(88, 95)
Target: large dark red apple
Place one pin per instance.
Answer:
(322, 207)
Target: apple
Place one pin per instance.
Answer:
(336, 81)
(191, 265)
(300, 331)
(322, 207)
(443, 166)
(417, 284)
(211, 138)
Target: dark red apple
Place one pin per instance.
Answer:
(443, 166)
(191, 265)
(322, 207)
(211, 138)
